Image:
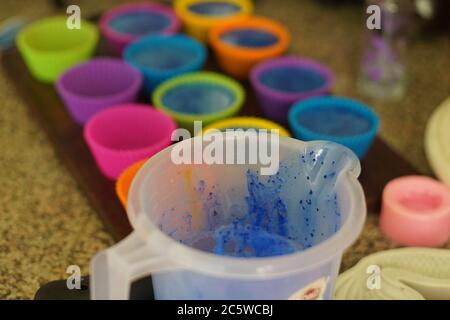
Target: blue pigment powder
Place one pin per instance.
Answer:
(249, 38)
(292, 79)
(165, 57)
(198, 98)
(139, 23)
(217, 9)
(334, 122)
(290, 211)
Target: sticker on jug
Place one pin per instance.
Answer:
(313, 291)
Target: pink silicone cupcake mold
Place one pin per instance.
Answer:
(123, 135)
(127, 23)
(97, 85)
(416, 211)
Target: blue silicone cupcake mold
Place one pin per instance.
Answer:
(341, 120)
(162, 57)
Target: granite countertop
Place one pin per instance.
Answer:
(46, 223)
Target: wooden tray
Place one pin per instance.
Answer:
(379, 166)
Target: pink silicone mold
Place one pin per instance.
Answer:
(416, 211)
(120, 136)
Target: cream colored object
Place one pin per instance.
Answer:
(404, 274)
(437, 141)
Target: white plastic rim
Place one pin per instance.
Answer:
(437, 141)
(179, 256)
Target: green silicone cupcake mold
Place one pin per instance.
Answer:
(199, 96)
(49, 47)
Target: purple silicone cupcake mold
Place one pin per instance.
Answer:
(280, 82)
(97, 85)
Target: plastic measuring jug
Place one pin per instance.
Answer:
(215, 231)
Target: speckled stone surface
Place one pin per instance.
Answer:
(46, 223)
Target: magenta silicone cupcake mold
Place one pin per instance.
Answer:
(97, 85)
(127, 23)
(280, 82)
(121, 136)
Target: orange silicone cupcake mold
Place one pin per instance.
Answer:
(199, 16)
(238, 60)
(124, 182)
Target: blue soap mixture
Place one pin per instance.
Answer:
(218, 9)
(334, 122)
(245, 240)
(292, 79)
(139, 23)
(288, 212)
(164, 56)
(249, 38)
(198, 98)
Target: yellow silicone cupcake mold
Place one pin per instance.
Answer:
(199, 16)
(247, 122)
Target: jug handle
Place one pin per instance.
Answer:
(114, 269)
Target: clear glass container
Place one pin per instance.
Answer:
(383, 70)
